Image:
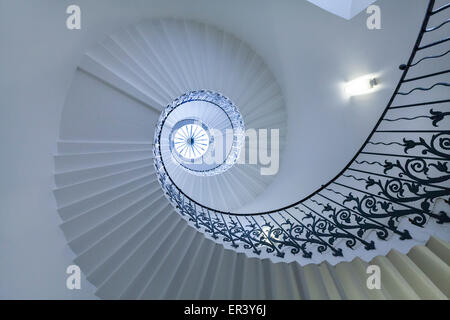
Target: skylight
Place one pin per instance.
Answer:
(191, 141)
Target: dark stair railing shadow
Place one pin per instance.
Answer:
(399, 172)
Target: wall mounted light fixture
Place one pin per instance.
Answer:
(360, 86)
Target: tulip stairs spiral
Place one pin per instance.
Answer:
(145, 221)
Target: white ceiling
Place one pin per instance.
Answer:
(346, 9)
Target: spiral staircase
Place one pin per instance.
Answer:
(144, 228)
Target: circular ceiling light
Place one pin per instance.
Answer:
(190, 139)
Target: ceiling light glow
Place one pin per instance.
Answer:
(360, 86)
(191, 141)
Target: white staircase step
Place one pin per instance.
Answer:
(77, 176)
(207, 284)
(416, 278)
(436, 269)
(329, 283)
(97, 199)
(440, 248)
(160, 268)
(360, 268)
(80, 224)
(73, 193)
(171, 267)
(195, 274)
(393, 280)
(140, 211)
(106, 67)
(225, 270)
(110, 251)
(77, 147)
(87, 160)
(124, 275)
(184, 264)
(352, 288)
(149, 232)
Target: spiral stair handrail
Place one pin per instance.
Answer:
(371, 195)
